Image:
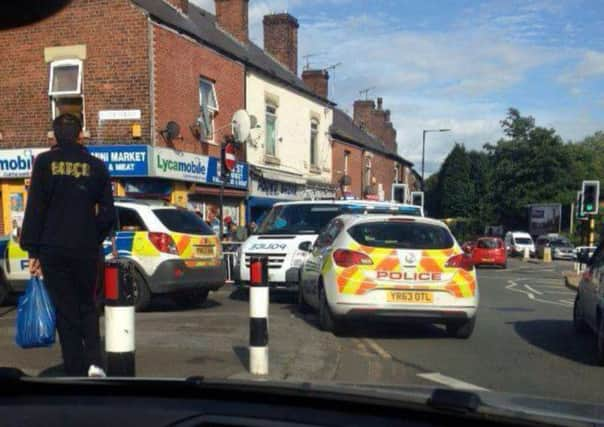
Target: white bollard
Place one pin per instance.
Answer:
(259, 302)
(526, 254)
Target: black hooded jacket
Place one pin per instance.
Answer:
(70, 203)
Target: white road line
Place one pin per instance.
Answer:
(451, 382)
(512, 287)
(377, 348)
(533, 290)
(570, 302)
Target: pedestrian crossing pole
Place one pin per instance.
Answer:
(259, 301)
(119, 319)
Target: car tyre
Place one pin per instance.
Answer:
(327, 321)
(579, 317)
(142, 293)
(600, 339)
(303, 306)
(461, 329)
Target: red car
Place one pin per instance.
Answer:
(490, 251)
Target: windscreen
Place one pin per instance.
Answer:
(401, 235)
(299, 218)
(182, 221)
(523, 241)
(489, 244)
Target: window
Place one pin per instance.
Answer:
(401, 235)
(182, 221)
(489, 244)
(65, 88)
(314, 143)
(270, 137)
(208, 103)
(346, 157)
(367, 171)
(328, 236)
(129, 220)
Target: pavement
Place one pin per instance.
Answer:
(524, 342)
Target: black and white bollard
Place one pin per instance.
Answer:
(119, 319)
(259, 300)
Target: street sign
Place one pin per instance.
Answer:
(230, 160)
(417, 198)
(399, 193)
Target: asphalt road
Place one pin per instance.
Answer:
(523, 342)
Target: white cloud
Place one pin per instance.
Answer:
(591, 66)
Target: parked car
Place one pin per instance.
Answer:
(517, 241)
(589, 301)
(490, 251)
(561, 247)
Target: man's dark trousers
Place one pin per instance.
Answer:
(71, 283)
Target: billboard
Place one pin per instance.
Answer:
(544, 219)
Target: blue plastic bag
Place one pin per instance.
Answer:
(35, 317)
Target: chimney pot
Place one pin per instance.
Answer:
(379, 103)
(281, 39)
(232, 16)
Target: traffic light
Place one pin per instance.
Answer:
(590, 193)
(417, 198)
(399, 193)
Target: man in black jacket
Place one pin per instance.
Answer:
(69, 213)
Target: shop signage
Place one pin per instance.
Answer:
(276, 189)
(123, 160)
(17, 163)
(196, 168)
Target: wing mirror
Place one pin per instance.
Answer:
(305, 246)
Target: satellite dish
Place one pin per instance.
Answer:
(172, 130)
(241, 125)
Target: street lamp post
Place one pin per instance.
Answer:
(425, 131)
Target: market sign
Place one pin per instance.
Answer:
(178, 165)
(17, 163)
(123, 160)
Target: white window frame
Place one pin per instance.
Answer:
(61, 63)
(314, 148)
(211, 110)
(275, 114)
(53, 107)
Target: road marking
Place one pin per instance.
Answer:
(568, 301)
(377, 348)
(513, 287)
(451, 382)
(364, 351)
(533, 290)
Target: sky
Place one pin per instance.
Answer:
(457, 64)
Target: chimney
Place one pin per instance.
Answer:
(362, 112)
(281, 39)
(317, 81)
(180, 5)
(232, 16)
(379, 103)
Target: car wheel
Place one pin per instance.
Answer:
(327, 321)
(579, 317)
(141, 291)
(303, 306)
(461, 329)
(600, 354)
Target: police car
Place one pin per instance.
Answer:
(289, 230)
(172, 250)
(390, 267)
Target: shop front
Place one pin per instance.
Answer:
(199, 177)
(268, 187)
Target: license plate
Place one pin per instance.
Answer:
(204, 250)
(410, 297)
(487, 260)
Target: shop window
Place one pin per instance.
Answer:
(314, 143)
(208, 103)
(270, 138)
(65, 88)
(129, 220)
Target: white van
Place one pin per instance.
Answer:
(291, 227)
(517, 241)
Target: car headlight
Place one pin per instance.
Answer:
(299, 258)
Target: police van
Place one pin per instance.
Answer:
(291, 228)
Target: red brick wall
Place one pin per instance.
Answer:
(354, 167)
(115, 71)
(383, 169)
(179, 64)
(232, 16)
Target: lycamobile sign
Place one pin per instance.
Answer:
(18, 163)
(179, 165)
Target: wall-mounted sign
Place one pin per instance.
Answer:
(196, 168)
(17, 163)
(276, 189)
(120, 115)
(123, 160)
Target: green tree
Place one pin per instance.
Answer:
(455, 186)
(432, 197)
